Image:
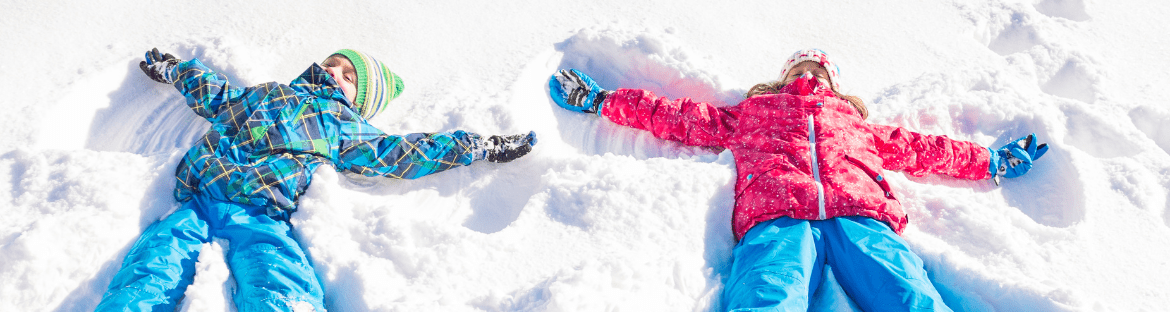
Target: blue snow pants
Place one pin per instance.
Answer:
(777, 266)
(271, 271)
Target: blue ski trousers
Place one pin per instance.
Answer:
(778, 265)
(271, 271)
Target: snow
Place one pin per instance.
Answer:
(599, 217)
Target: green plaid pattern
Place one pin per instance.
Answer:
(266, 140)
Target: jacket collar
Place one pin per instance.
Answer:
(807, 85)
(317, 82)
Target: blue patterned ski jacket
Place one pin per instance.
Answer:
(266, 140)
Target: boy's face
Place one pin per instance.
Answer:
(343, 72)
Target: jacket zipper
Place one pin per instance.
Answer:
(812, 150)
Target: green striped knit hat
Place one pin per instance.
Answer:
(376, 84)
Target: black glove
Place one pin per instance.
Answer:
(505, 148)
(159, 67)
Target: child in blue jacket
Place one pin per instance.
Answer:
(241, 180)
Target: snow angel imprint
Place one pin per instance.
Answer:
(241, 180)
(810, 189)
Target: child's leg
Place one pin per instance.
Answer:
(876, 267)
(160, 265)
(775, 267)
(272, 272)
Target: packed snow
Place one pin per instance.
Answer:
(598, 217)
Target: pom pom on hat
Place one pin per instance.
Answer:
(376, 84)
(815, 55)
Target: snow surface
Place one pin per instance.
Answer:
(598, 217)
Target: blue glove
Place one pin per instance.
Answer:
(1015, 158)
(577, 92)
(504, 148)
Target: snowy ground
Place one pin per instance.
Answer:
(599, 217)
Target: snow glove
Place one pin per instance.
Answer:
(504, 148)
(1015, 158)
(575, 91)
(159, 67)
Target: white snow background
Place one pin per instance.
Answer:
(599, 217)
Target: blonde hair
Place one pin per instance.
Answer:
(774, 88)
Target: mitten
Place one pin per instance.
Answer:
(159, 67)
(504, 148)
(575, 91)
(1015, 158)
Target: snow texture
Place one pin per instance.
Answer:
(598, 217)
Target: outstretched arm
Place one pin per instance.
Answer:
(370, 152)
(919, 154)
(682, 120)
(407, 156)
(206, 91)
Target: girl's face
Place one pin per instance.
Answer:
(807, 66)
(343, 72)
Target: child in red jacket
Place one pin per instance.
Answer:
(810, 189)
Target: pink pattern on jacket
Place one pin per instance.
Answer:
(769, 135)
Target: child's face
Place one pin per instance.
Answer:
(807, 66)
(342, 71)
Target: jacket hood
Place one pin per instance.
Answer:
(316, 81)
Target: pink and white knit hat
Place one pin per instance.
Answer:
(815, 55)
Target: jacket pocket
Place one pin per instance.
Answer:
(874, 175)
(746, 181)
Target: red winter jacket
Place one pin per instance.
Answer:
(806, 157)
